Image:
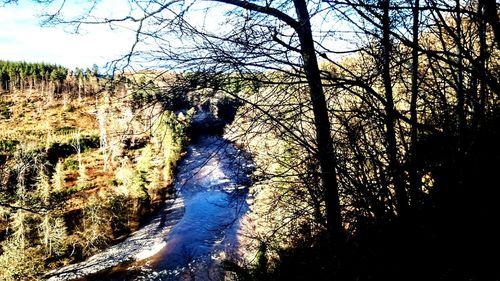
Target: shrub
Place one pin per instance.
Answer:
(71, 164)
(118, 210)
(8, 145)
(95, 226)
(89, 142)
(18, 263)
(64, 130)
(58, 150)
(5, 112)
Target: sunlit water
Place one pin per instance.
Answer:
(211, 180)
(189, 238)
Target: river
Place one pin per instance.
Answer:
(191, 235)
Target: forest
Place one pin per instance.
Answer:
(79, 170)
(373, 127)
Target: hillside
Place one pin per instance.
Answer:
(79, 170)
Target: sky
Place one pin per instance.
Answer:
(22, 38)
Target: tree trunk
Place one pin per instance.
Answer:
(394, 166)
(483, 54)
(324, 140)
(460, 110)
(491, 16)
(460, 80)
(414, 180)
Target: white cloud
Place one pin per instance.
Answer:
(22, 38)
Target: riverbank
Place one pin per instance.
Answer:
(142, 244)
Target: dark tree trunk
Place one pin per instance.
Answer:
(460, 110)
(460, 80)
(394, 166)
(326, 155)
(491, 16)
(414, 180)
(481, 69)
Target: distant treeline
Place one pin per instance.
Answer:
(50, 78)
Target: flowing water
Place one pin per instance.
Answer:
(192, 234)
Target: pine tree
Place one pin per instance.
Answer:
(58, 177)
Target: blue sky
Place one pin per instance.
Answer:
(22, 38)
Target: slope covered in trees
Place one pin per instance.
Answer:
(78, 170)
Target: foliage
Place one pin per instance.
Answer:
(70, 164)
(55, 188)
(368, 166)
(170, 137)
(23, 75)
(344, 149)
(20, 265)
(53, 235)
(119, 212)
(5, 111)
(64, 130)
(94, 227)
(172, 98)
(8, 145)
(141, 175)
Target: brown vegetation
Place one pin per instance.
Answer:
(66, 193)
